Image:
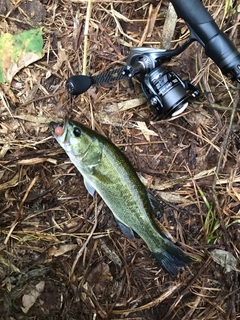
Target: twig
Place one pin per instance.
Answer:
(109, 41)
(153, 303)
(169, 27)
(84, 246)
(225, 141)
(219, 165)
(187, 288)
(145, 32)
(85, 50)
(19, 213)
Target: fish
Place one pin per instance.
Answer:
(106, 170)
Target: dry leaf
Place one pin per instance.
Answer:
(62, 57)
(56, 252)
(125, 105)
(145, 131)
(29, 299)
(225, 259)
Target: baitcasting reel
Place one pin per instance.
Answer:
(163, 88)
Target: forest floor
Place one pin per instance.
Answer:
(62, 255)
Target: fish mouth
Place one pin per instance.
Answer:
(53, 125)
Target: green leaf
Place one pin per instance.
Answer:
(18, 51)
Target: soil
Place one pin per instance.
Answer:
(62, 255)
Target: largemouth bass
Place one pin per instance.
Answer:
(108, 171)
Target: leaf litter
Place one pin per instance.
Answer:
(53, 234)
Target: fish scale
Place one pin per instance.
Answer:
(108, 171)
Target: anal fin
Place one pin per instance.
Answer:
(127, 231)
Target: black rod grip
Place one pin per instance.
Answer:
(192, 11)
(204, 29)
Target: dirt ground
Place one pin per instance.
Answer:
(62, 255)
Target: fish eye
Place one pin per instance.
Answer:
(77, 132)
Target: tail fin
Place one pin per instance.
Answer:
(172, 259)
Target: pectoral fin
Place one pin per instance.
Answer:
(89, 187)
(128, 232)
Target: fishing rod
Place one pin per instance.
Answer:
(204, 29)
(162, 87)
